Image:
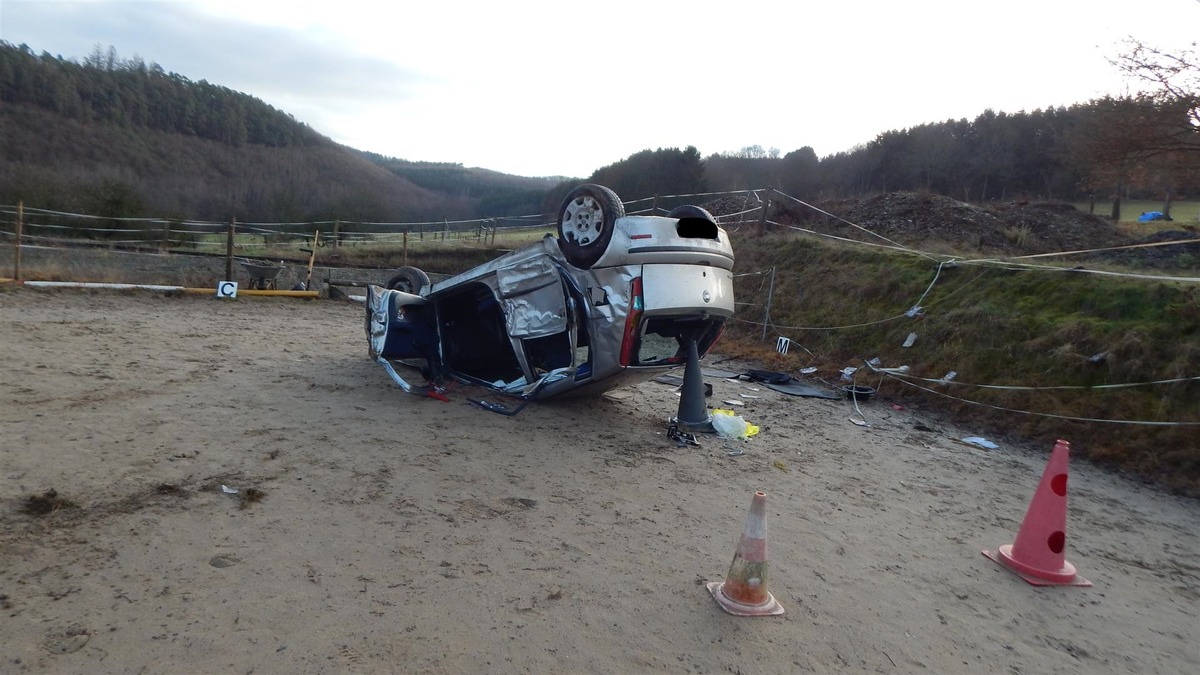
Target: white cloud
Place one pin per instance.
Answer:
(545, 88)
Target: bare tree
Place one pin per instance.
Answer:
(1175, 77)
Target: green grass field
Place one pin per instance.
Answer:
(1183, 213)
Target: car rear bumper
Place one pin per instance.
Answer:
(687, 289)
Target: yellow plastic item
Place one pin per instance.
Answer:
(751, 429)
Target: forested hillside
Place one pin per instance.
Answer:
(120, 137)
(1144, 147)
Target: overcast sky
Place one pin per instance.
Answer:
(542, 88)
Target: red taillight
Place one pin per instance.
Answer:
(633, 324)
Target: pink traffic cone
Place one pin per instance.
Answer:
(1037, 554)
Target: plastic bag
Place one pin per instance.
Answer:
(729, 426)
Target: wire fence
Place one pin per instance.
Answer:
(45, 227)
(41, 228)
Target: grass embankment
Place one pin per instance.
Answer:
(996, 327)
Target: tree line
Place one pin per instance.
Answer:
(107, 89)
(1144, 145)
(135, 140)
(1110, 148)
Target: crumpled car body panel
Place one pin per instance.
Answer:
(531, 325)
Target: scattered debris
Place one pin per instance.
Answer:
(730, 425)
(682, 438)
(979, 442)
(767, 376)
(858, 392)
(228, 490)
(250, 496)
(47, 503)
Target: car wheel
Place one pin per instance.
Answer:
(409, 280)
(585, 223)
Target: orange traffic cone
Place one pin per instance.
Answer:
(744, 591)
(1037, 553)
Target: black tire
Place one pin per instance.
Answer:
(585, 223)
(409, 280)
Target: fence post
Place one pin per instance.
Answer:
(762, 217)
(337, 234)
(654, 206)
(767, 312)
(312, 258)
(406, 248)
(20, 217)
(445, 228)
(229, 250)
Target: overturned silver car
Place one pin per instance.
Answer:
(612, 297)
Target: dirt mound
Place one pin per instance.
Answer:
(1181, 256)
(923, 220)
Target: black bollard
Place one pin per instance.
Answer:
(693, 414)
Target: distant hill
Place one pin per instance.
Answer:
(122, 138)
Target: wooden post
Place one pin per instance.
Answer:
(229, 250)
(762, 217)
(20, 217)
(406, 248)
(445, 228)
(654, 206)
(312, 257)
(165, 243)
(337, 234)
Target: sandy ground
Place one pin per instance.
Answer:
(402, 534)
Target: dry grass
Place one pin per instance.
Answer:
(996, 327)
(46, 504)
